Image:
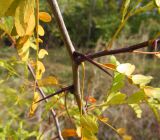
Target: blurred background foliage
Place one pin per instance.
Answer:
(91, 23)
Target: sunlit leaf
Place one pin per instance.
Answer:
(48, 81)
(157, 2)
(69, 133)
(127, 137)
(40, 30)
(40, 70)
(121, 131)
(44, 16)
(116, 98)
(141, 79)
(136, 97)
(40, 40)
(152, 92)
(34, 104)
(23, 48)
(137, 109)
(24, 17)
(42, 53)
(126, 69)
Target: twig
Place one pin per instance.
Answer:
(69, 88)
(141, 52)
(46, 100)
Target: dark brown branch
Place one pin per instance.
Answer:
(118, 51)
(84, 57)
(69, 88)
(52, 111)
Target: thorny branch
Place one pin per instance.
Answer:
(46, 100)
(121, 50)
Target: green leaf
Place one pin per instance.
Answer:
(125, 8)
(89, 125)
(136, 97)
(115, 98)
(118, 82)
(113, 60)
(137, 109)
(149, 6)
(4, 5)
(141, 79)
(6, 24)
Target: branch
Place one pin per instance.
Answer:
(69, 88)
(63, 30)
(70, 48)
(82, 56)
(52, 111)
(121, 50)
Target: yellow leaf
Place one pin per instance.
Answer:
(23, 48)
(127, 137)
(34, 104)
(152, 92)
(31, 25)
(42, 53)
(5, 4)
(40, 40)
(48, 81)
(103, 119)
(69, 133)
(44, 16)
(40, 70)
(121, 131)
(126, 68)
(40, 30)
(24, 17)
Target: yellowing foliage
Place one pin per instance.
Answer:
(40, 30)
(45, 17)
(34, 104)
(42, 53)
(69, 133)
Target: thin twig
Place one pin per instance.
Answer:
(46, 100)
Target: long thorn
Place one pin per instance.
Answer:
(69, 88)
